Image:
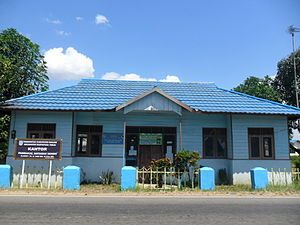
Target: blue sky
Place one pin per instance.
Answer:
(194, 41)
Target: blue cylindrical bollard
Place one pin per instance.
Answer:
(5, 176)
(207, 178)
(259, 178)
(71, 179)
(128, 178)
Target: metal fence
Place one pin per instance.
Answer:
(37, 177)
(148, 178)
(167, 178)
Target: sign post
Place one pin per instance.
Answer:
(37, 149)
(22, 176)
(49, 175)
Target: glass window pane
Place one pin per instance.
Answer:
(255, 131)
(268, 131)
(34, 135)
(48, 135)
(221, 146)
(48, 127)
(82, 128)
(83, 145)
(78, 144)
(267, 145)
(95, 144)
(221, 131)
(254, 145)
(208, 146)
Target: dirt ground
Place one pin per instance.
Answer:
(114, 190)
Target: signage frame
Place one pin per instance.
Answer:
(107, 139)
(149, 134)
(38, 139)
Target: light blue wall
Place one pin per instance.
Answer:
(63, 121)
(192, 127)
(240, 125)
(111, 122)
(94, 166)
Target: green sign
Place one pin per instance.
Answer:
(150, 139)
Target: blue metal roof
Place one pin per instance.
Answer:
(93, 94)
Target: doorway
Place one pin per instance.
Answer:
(148, 153)
(146, 144)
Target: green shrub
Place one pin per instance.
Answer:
(186, 159)
(296, 161)
(223, 178)
(107, 177)
(161, 164)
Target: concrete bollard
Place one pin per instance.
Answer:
(71, 178)
(128, 178)
(207, 178)
(5, 176)
(259, 178)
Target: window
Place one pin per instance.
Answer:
(37, 130)
(261, 143)
(214, 143)
(89, 140)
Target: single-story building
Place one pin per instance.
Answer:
(106, 124)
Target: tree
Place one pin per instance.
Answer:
(262, 88)
(23, 71)
(284, 81)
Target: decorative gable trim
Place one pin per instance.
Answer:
(161, 93)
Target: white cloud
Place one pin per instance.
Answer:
(79, 18)
(63, 33)
(53, 21)
(100, 19)
(170, 78)
(136, 77)
(68, 65)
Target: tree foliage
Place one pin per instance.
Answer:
(284, 81)
(22, 67)
(281, 88)
(23, 71)
(262, 88)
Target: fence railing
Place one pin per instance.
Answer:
(167, 178)
(38, 177)
(284, 176)
(147, 178)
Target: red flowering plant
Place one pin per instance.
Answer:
(185, 160)
(161, 164)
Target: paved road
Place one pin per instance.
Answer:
(148, 210)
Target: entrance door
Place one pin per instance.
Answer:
(148, 153)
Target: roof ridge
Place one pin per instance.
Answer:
(260, 99)
(98, 79)
(39, 93)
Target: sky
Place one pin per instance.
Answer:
(168, 40)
